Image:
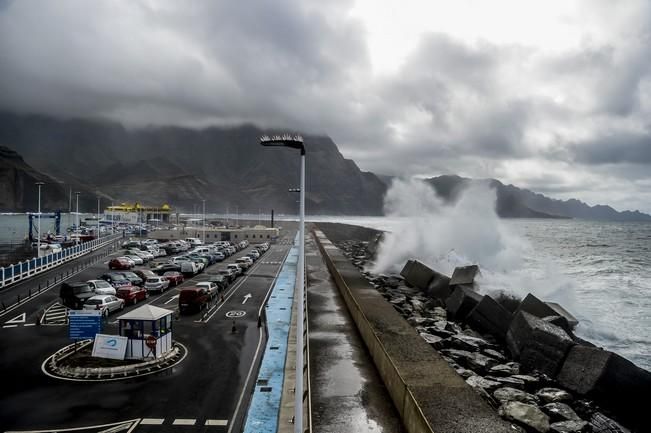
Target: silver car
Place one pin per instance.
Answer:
(156, 284)
(105, 303)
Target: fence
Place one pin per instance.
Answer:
(14, 273)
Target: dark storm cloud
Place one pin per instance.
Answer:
(624, 147)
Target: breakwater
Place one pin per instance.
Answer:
(523, 360)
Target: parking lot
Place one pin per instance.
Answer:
(202, 392)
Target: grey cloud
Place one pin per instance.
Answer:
(623, 147)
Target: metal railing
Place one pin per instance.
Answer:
(22, 270)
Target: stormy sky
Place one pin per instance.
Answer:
(554, 96)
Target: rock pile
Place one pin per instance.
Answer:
(526, 363)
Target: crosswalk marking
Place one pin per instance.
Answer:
(152, 421)
(57, 314)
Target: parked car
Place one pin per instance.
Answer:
(239, 270)
(115, 279)
(167, 267)
(73, 295)
(119, 263)
(101, 287)
(193, 299)
(144, 273)
(144, 255)
(246, 262)
(105, 303)
(132, 262)
(254, 254)
(212, 288)
(194, 241)
(132, 294)
(137, 260)
(188, 267)
(157, 284)
(133, 278)
(228, 273)
(220, 280)
(175, 278)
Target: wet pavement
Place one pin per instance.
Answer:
(347, 392)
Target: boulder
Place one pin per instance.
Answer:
(432, 340)
(461, 302)
(464, 275)
(417, 274)
(494, 354)
(491, 317)
(537, 344)
(508, 369)
(465, 342)
(572, 426)
(506, 394)
(560, 412)
(553, 395)
(508, 381)
(613, 381)
(480, 382)
(474, 361)
(439, 286)
(559, 321)
(527, 415)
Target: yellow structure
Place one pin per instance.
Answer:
(133, 213)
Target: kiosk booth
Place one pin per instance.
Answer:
(149, 330)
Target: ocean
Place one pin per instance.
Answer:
(599, 271)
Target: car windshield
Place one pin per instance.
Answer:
(153, 280)
(102, 284)
(82, 289)
(94, 302)
(170, 274)
(130, 275)
(118, 277)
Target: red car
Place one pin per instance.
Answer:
(173, 277)
(118, 263)
(132, 294)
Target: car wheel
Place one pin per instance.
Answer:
(105, 313)
(122, 306)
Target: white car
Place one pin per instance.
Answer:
(135, 259)
(239, 270)
(158, 284)
(101, 287)
(246, 262)
(128, 259)
(146, 256)
(105, 303)
(211, 287)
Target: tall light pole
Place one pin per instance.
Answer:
(204, 220)
(296, 142)
(98, 216)
(77, 223)
(38, 240)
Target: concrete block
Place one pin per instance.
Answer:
(532, 305)
(417, 274)
(560, 311)
(464, 275)
(439, 287)
(461, 302)
(491, 317)
(613, 381)
(539, 345)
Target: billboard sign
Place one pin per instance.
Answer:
(84, 324)
(110, 346)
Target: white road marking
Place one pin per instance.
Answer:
(18, 319)
(217, 422)
(90, 427)
(152, 421)
(10, 326)
(246, 298)
(171, 299)
(30, 324)
(184, 421)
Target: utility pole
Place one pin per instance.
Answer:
(38, 240)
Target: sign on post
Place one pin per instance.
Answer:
(110, 346)
(84, 324)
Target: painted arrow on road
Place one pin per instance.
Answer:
(246, 298)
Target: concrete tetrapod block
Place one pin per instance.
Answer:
(535, 306)
(560, 311)
(439, 287)
(417, 274)
(611, 380)
(489, 316)
(538, 344)
(464, 275)
(461, 302)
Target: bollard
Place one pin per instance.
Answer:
(29, 293)
(3, 306)
(233, 329)
(47, 283)
(259, 321)
(39, 286)
(18, 297)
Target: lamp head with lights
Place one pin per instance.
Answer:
(286, 140)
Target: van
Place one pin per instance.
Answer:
(193, 299)
(73, 295)
(194, 241)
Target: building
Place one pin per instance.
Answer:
(136, 213)
(253, 234)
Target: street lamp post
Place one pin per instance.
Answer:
(296, 142)
(38, 240)
(78, 222)
(98, 198)
(204, 220)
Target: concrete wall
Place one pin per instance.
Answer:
(428, 394)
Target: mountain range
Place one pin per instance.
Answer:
(225, 166)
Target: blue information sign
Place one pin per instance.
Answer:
(84, 324)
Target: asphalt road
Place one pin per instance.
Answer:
(208, 391)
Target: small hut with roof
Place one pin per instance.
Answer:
(149, 330)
